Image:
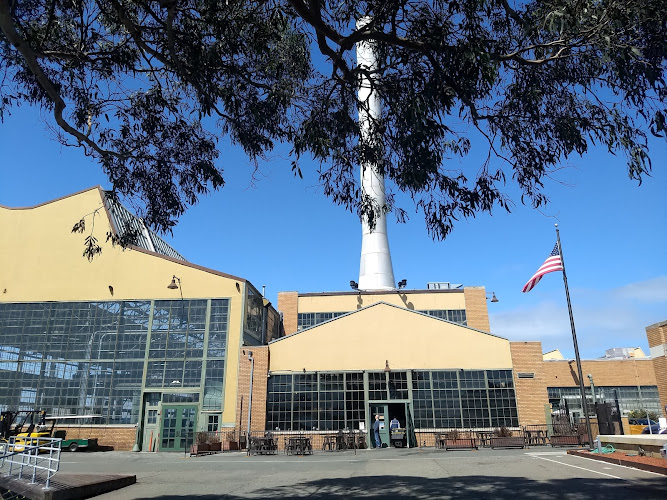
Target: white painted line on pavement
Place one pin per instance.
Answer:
(624, 466)
(577, 467)
(541, 453)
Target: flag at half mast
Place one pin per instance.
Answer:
(553, 263)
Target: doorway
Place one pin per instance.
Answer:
(398, 411)
(177, 427)
(383, 411)
(387, 411)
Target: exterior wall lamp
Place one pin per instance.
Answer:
(174, 286)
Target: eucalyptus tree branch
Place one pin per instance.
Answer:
(12, 35)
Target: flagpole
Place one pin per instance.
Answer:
(576, 345)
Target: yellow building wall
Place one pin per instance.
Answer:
(353, 301)
(407, 340)
(555, 354)
(41, 260)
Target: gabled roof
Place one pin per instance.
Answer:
(174, 256)
(382, 303)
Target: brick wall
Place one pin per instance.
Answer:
(288, 304)
(657, 337)
(531, 393)
(605, 372)
(657, 334)
(121, 438)
(261, 370)
(476, 309)
(660, 367)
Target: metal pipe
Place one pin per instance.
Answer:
(590, 377)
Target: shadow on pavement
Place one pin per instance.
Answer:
(454, 487)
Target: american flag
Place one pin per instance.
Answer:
(553, 263)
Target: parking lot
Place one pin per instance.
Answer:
(387, 473)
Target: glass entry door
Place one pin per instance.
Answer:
(178, 426)
(383, 412)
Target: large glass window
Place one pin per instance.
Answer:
(306, 320)
(324, 401)
(398, 385)
(422, 399)
(453, 315)
(217, 330)
(332, 401)
(305, 402)
(215, 370)
(355, 406)
(629, 397)
(446, 399)
(463, 399)
(253, 318)
(279, 402)
(502, 402)
(440, 398)
(377, 386)
(76, 358)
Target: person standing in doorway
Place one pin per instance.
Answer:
(394, 424)
(376, 432)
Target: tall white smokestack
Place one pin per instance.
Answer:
(375, 269)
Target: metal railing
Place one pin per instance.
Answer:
(31, 456)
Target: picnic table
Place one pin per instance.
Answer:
(484, 437)
(299, 445)
(343, 441)
(536, 437)
(264, 445)
(329, 442)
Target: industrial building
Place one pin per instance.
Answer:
(149, 346)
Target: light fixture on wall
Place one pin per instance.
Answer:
(402, 284)
(354, 285)
(493, 297)
(174, 286)
(386, 366)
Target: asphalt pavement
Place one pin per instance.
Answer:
(536, 473)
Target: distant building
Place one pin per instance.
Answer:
(624, 352)
(555, 354)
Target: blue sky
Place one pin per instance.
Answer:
(282, 232)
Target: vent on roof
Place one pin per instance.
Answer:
(525, 375)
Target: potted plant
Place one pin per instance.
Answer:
(201, 445)
(502, 438)
(455, 440)
(214, 443)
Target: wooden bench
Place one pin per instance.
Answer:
(508, 442)
(565, 440)
(461, 444)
